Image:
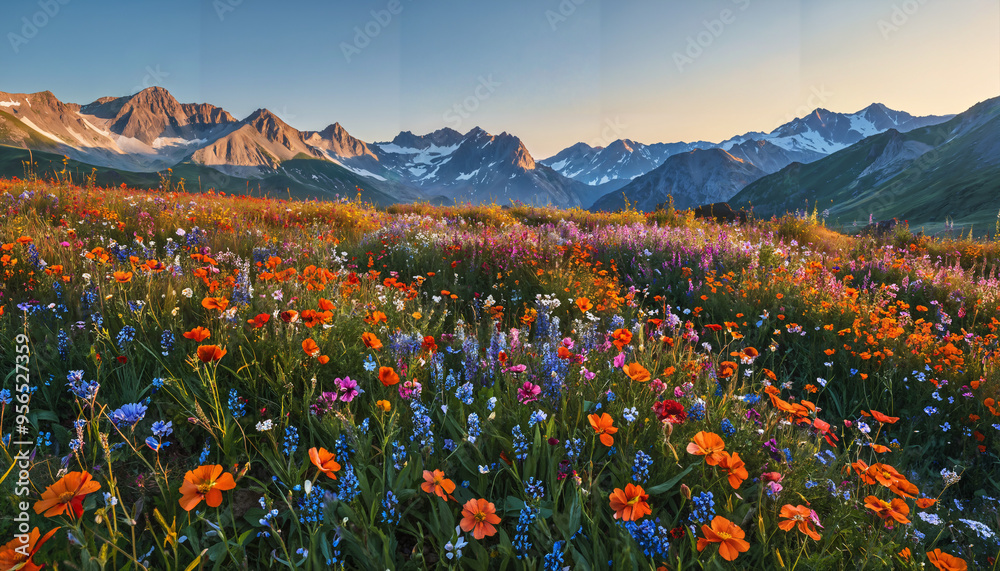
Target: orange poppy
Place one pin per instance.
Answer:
(727, 534)
(205, 483)
(727, 369)
(325, 460)
(219, 303)
(436, 483)
(905, 554)
(310, 347)
(897, 509)
(630, 504)
(708, 444)
(798, 515)
(924, 503)
(735, 467)
(16, 554)
(637, 372)
(383, 405)
(946, 562)
(884, 419)
(479, 517)
(371, 341)
(290, 316)
(603, 425)
(621, 337)
(388, 376)
(260, 320)
(584, 304)
(325, 304)
(209, 353)
(123, 277)
(198, 334)
(323, 359)
(375, 317)
(66, 494)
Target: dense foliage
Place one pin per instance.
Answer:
(239, 383)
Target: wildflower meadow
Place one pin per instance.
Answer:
(214, 381)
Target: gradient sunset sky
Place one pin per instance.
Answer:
(551, 72)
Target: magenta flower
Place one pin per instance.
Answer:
(347, 389)
(517, 369)
(409, 389)
(619, 360)
(528, 392)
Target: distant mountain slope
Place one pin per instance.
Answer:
(692, 178)
(925, 175)
(623, 159)
(301, 179)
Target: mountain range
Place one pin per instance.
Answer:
(131, 138)
(930, 175)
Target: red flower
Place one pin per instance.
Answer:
(670, 411)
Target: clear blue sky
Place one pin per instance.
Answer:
(553, 72)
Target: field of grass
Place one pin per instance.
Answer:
(215, 381)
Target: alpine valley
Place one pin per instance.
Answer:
(854, 165)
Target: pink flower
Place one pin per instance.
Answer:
(528, 392)
(678, 392)
(587, 374)
(517, 369)
(619, 360)
(657, 386)
(410, 388)
(568, 343)
(347, 389)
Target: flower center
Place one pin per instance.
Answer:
(203, 488)
(480, 517)
(66, 497)
(633, 501)
(725, 536)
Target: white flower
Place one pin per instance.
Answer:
(265, 425)
(181, 232)
(484, 469)
(187, 292)
(86, 279)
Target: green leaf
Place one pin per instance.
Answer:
(669, 484)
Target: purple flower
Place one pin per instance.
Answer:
(324, 403)
(347, 388)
